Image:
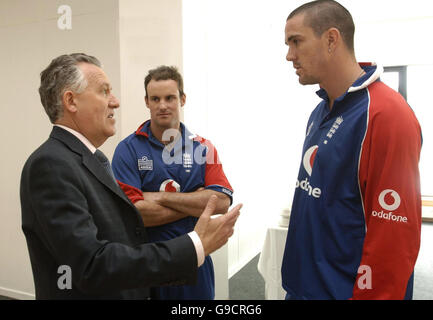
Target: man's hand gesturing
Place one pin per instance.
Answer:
(215, 232)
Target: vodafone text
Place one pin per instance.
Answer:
(389, 216)
(305, 185)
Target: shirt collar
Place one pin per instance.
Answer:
(144, 130)
(80, 137)
(372, 73)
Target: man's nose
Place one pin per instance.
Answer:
(114, 102)
(163, 104)
(290, 55)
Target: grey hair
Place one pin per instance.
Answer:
(61, 75)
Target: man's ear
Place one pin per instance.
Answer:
(69, 101)
(183, 100)
(146, 100)
(333, 38)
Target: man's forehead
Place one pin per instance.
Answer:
(297, 27)
(296, 22)
(157, 86)
(94, 74)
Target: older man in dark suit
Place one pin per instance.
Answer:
(74, 215)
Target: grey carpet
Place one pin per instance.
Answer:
(423, 282)
(247, 284)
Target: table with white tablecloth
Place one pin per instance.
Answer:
(270, 261)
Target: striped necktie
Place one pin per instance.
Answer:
(105, 163)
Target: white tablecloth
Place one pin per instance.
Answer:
(270, 261)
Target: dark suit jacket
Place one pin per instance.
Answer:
(74, 214)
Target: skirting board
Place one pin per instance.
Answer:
(238, 266)
(15, 294)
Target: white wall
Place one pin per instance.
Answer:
(392, 32)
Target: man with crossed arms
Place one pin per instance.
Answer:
(170, 174)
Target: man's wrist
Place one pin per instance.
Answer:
(161, 198)
(198, 247)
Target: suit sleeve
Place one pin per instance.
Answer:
(390, 187)
(125, 169)
(56, 191)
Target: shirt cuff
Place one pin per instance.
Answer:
(198, 247)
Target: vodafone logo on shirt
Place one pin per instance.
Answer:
(394, 205)
(390, 201)
(308, 162)
(169, 185)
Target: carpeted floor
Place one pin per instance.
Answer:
(247, 284)
(423, 282)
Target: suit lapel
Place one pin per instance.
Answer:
(89, 160)
(95, 167)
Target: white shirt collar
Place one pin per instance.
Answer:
(376, 75)
(79, 136)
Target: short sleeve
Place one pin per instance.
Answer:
(125, 170)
